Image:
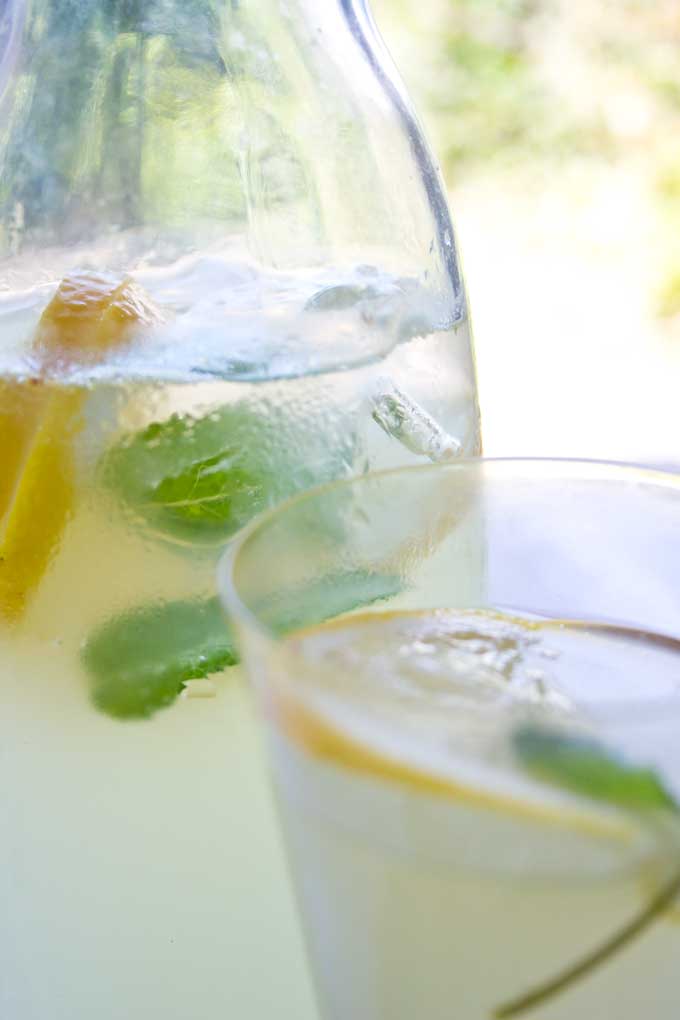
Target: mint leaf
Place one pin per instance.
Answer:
(191, 477)
(210, 493)
(587, 767)
(327, 598)
(201, 479)
(138, 662)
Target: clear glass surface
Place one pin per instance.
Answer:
(469, 677)
(227, 272)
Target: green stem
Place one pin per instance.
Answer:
(543, 992)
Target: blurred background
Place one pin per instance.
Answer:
(557, 125)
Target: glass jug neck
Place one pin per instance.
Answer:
(362, 25)
(155, 127)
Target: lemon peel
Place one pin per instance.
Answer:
(39, 420)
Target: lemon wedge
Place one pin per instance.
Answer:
(89, 314)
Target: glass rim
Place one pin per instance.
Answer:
(583, 468)
(560, 467)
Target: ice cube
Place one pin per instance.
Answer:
(345, 295)
(409, 423)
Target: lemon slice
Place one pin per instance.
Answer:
(89, 314)
(426, 700)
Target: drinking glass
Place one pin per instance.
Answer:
(469, 681)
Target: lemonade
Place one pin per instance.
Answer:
(141, 869)
(467, 838)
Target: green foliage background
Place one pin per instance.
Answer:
(557, 124)
(537, 86)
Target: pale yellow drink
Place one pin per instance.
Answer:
(437, 876)
(141, 868)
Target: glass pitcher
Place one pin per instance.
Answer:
(227, 271)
